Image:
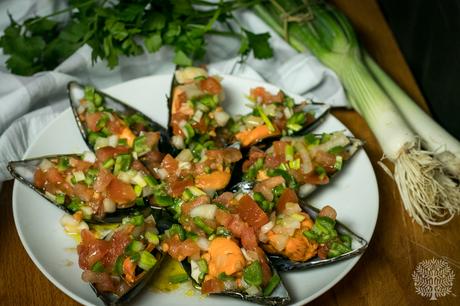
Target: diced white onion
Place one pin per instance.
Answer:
(71, 225)
(189, 74)
(291, 223)
(162, 173)
(195, 270)
(45, 164)
(178, 141)
(229, 285)
(292, 208)
(109, 206)
(269, 109)
(279, 242)
(253, 121)
(207, 211)
(306, 189)
(221, 118)
(113, 140)
(185, 156)
(253, 290)
(197, 116)
(50, 196)
(146, 191)
(79, 176)
(124, 176)
(89, 157)
(307, 165)
(267, 227)
(196, 191)
(249, 255)
(81, 109)
(287, 113)
(87, 211)
(184, 165)
(337, 139)
(138, 180)
(203, 243)
(101, 142)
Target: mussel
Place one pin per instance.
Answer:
(279, 295)
(300, 168)
(358, 245)
(195, 111)
(105, 121)
(68, 181)
(119, 275)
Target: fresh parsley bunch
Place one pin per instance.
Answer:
(125, 27)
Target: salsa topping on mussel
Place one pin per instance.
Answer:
(91, 186)
(118, 262)
(195, 107)
(272, 115)
(311, 159)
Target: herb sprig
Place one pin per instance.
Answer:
(125, 28)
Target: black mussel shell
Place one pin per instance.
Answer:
(359, 246)
(279, 296)
(24, 170)
(111, 299)
(76, 92)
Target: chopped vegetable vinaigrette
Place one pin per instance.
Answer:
(272, 115)
(122, 259)
(311, 159)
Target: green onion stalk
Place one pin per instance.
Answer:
(428, 186)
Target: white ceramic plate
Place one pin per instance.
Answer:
(353, 194)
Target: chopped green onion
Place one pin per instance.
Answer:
(296, 121)
(108, 163)
(122, 163)
(338, 162)
(102, 122)
(222, 231)
(136, 220)
(139, 202)
(201, 224)
(336, 150)
(118, 267)
(224, 277)
(137, 190)
(147, 261)
(140, 145)
(177, 229)
(202, 265)
(294, 164)
(60, 198)
(178, 278)
(152, 238)
(252, 274)
(150, 180)
(98, 267)
(164, 200)
(63, 163)
(272, 284)
(289, 152)
(265, 118)
(135, 246)
(311, 139)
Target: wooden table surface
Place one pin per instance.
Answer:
(381, 277)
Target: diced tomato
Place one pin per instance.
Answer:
(315, 179)
(106, 153)
(53, 176)
(79, 165)
(211, 85)
(115, 125)
(118, 242)
(201, 126)
(180, 250)
(39, 178)
(248, 239)
(170, 164)
(229, 155)
(188, 206)
(179, 98)
(224, 199)
(279, 148)
(104, 177)
(83, 192)
(273, 161)
(177, 187)
(152, 139)
(137, 165)
(101, 280)
(91, 250)
(266, 270)
(223, 217)
(120, 192)
(254, 154)
(266, 97)
(251, 213)
(152, 160)
(326, 160)
(212, 285)
(288, 195)
(215, 180)
(237, 226)
(91, 120)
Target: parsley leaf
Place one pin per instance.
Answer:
(259, 44)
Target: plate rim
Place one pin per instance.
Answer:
(351, 262)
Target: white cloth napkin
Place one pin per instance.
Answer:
(28, 104)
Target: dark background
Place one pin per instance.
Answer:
(428, 33)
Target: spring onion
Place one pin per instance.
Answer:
(429, 195)
(146, 261)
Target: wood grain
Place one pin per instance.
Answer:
(381, 277)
